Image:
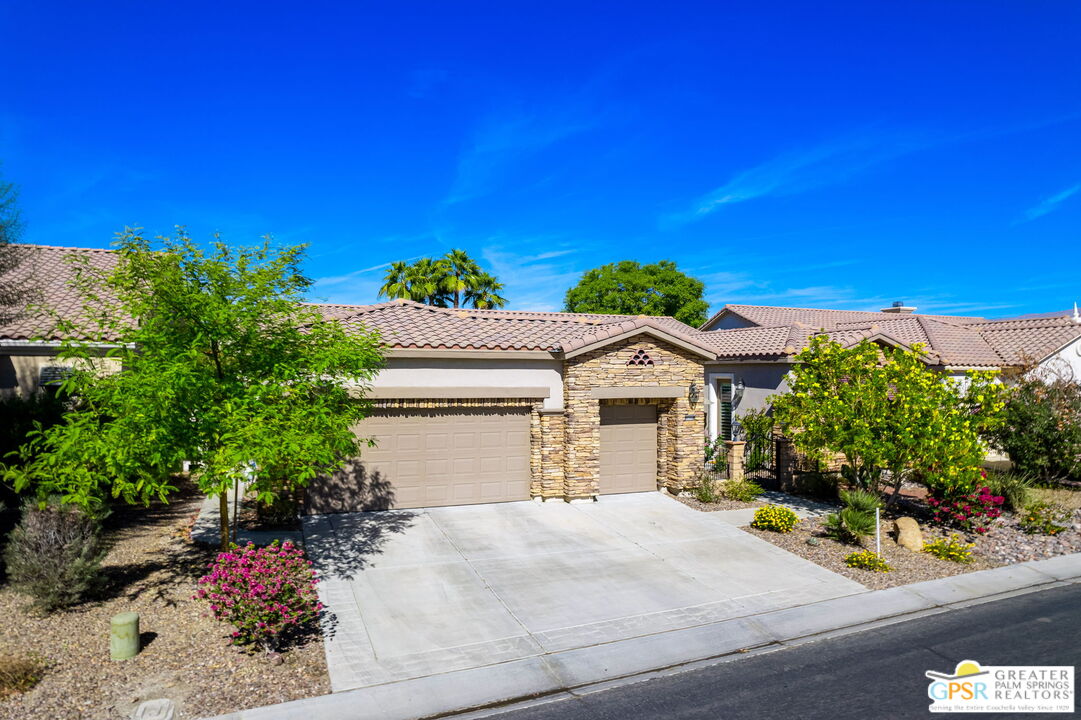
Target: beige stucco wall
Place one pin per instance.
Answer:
(448, 372)
(20, 373)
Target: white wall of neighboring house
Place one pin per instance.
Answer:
(450, 372)
(1067, 361)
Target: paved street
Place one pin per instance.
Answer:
(873, 675)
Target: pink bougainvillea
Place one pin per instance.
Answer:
(974, 512)
(262, 592)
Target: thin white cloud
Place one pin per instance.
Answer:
(838, 160)
(533, 281)
(506, 137)
(329, 280)
(1049, 204)
(798, 172)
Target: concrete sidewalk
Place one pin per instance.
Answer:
(564, 673)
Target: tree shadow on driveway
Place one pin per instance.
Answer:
(342, 543)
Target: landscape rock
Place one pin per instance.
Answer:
(908, 533)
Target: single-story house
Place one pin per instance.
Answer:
(478, 406)
(757, 344)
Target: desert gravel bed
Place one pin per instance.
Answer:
(907, 566)
(722, 504)
(150, 569)
(1005, 543)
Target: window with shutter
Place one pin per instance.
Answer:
(724, 409)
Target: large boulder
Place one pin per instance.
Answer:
(907, 532)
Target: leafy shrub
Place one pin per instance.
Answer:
(264, 593)
(1042, 428)
(19, 673)
(741, 490)
(706, 491)
(716, 455)
(757, 430)
(1013, 487)
(817, 483)
(850, 524)
(18, 413)
(54, 554)
(856, 520)
(774, 517)
(862, 500)
(1041, 518)
(867, 560)
(951, 548)
(973, 513)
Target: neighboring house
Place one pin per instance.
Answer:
(756, 344)
(29, 342)
(478, 406)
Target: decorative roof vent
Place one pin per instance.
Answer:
(899, 308)
(641, 357)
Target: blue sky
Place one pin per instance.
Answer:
(810, 154)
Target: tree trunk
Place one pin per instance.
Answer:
(236, 507)
(898, 479)
(223, 508)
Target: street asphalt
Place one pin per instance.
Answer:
(870, 675)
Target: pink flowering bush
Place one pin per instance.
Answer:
(974, 512)
(263, 592)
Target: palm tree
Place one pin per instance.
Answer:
(425, 278)
(454, 278)
(484, 294)
(461, 274)
(396, 282)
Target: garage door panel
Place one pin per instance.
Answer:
(628, 448)
(428, 457)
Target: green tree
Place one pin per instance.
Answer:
(1041, 431)
(452, 280)
(15, 291)
(628, 288)
(223, 366)
(485, 293)
(886, 411)
(460, 274)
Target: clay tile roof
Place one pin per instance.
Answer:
(406, 324)
(757, 342)
(955, 342)
(772, 316)
(1032, 339)
(50, 273)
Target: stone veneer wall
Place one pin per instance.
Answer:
(680, 428)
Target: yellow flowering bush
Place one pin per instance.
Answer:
(775, 518)
(951, 548)
(867, 560)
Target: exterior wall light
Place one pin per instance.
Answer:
(740, 387)
(693, 394)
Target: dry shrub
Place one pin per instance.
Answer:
(19, 673)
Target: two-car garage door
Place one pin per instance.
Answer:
(445, 456)
(464, 456)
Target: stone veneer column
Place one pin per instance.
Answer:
(735, 459)
(552, 455)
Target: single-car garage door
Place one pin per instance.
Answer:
(628, 448)
(429, 457)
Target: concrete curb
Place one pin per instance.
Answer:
(556, 675)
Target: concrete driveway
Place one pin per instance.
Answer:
(413, 593)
